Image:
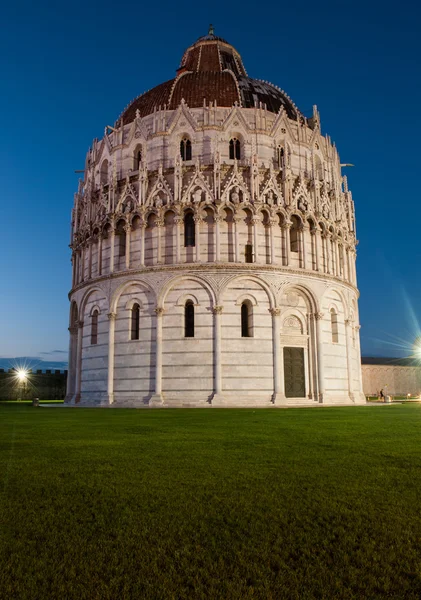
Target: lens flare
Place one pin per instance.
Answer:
(22, 375)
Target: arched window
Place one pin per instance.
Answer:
(246, 319)
(294, 235)
(281, 157)
(121, 233)
(189, 319)
(235, 149)
(334, 325)
(249, 253)
(185, 149)
(138, 160)
(94, 327)
(318, 169)
(189, 230)
(104, 172)
(135, 322)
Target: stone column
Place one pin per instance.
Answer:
(112, 249)
(90, 244)
(325, 237)
(315, 242)
(278, 370)
(157, 399)
(255, 223)
(128, 229)
(99, 257)
(236, 240)
(78, 377)
(142, 244)
(347, 276)
(82, 262)
(217, 239)
(111, 341)
(178, 221)
(360, 384)
(197, 222)
(217, 396)
(301, 232)
(348, 326)
(272, 225)
(320, 361)
(160, 227)
(336, 245)
(73, 261)
(70, 388)
(285, 229)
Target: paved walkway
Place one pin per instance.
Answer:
(367, 404)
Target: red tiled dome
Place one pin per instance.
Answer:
(211, 70)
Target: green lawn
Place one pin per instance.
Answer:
(272, 504)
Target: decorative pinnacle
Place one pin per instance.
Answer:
(211, 30)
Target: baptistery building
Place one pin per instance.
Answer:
(213, 250)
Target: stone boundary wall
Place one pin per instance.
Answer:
(394, 380)
(48, 385)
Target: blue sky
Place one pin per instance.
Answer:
(68, 70)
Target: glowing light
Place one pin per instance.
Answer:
(22, 375)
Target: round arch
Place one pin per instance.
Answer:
(266, 287)
(308, 294)
(170, 284)
(86, 296)
(121, 288)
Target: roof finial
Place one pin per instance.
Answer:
(211, 30)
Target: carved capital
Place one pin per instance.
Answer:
(198, 220)
(178, 220)
(318, 316)
(217, 310)
(159, 311)
(79, 324)
(275, 312)
(127, 228)
(348, 321)
(112, 316)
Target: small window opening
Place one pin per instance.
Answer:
(138, 160)
(185, 149)
(249, 253)
(235, 149)
(281, 155)
(122, 243)
(189, 319)
(94, 327)
(189, 230)
(135, 324)
(293, 237)
(246, 320)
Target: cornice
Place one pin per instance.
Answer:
(188, 268)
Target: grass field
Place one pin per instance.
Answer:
(272, 504)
